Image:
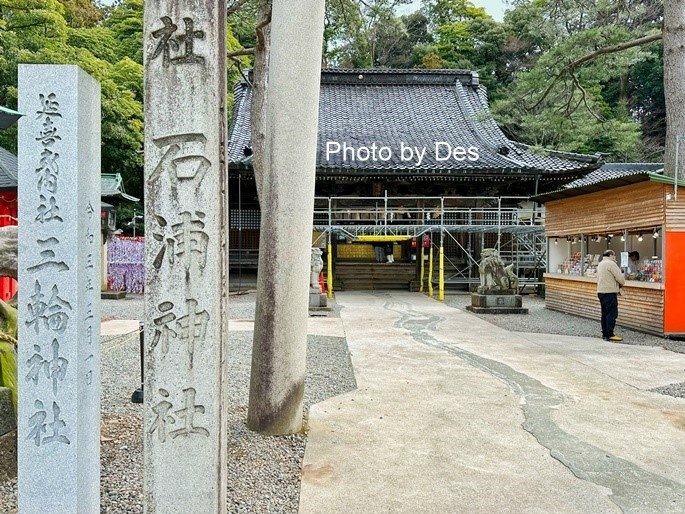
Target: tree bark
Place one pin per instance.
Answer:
(287, 207)
(674, 83)
(260, 80)
(8, 251)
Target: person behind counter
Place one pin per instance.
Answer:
(610, 280)
(633, 262)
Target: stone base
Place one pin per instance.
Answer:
(496, 304)
(317, 300)
(497, 310)
(112, 295)
(8, 420)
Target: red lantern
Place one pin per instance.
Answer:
(426, 241)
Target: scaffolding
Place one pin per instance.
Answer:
(458, 228)
(512, 225)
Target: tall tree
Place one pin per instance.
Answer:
(573, 90)
(674, 82)
(52, 31)
(280, 336)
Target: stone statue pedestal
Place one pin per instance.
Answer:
(502, 302)
(8, 421)
(317, 299)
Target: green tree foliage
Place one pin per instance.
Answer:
(125, 21)
(613, 103)
(69, 32)
(559, 97)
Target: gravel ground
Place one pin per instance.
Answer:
(240, 306)
(544, 321)
(263, 472)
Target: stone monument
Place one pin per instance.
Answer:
(186, 256)
(58, 360)
(317, 298)
(498, 289)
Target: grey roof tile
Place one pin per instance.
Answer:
(414, 107)
(8, 170)
(610, 175)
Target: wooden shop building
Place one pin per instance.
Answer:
(626, 208)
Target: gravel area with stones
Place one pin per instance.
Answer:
(545, 321)
(263, 472)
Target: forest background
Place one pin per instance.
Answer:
(550, 81)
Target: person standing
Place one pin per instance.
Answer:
(379, 251)
(389, 252)
(610, 280)
(633, 262)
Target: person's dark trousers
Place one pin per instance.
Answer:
(609, 303)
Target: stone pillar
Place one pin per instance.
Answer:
(280, 335)
(186, 256)
(59, 305)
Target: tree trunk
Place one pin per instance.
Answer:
(259, 87)
(8, 251)
(287, 206)
(674, 83)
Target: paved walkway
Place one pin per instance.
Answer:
(453, 414)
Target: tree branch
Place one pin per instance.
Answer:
(616, 48)
(240, 53)
(235, 7)
(571, 67)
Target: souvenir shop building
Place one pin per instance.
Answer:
(634, 210)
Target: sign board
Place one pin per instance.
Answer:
(624, 259)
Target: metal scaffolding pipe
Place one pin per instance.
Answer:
(329, 269)
(441, 280)
(422, 268)
(430, 270)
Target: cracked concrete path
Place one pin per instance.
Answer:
(453, 414)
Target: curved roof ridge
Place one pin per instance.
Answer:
(429, 107)
(470, 118)
(8, 169)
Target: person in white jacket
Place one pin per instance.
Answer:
(610, 280)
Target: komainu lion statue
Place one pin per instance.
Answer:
(316, 267)
(495, 277)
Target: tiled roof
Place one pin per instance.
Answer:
(8, 170)
(8, 117)
(417, 108)
(610, 175)
(112, 185)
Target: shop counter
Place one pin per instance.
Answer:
(640, 305)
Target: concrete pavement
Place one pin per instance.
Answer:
(453, 414)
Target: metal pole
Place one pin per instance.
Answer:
(422, 266)
(240, 232)
(678, 140)
(441, 263)
(430, 269)
(137, 396)
(441, 273)
(499, 223)
(329, 269)
(385, 213)
(134, 222)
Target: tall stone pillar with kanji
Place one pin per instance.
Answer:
(186, 256)
(58, 360)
